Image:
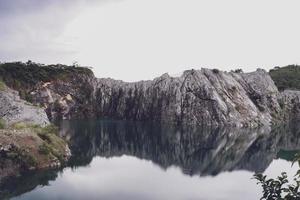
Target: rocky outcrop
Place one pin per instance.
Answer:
(290, 103)
(27, 140)
(30, 148)
(66, 99)
(14, 110)
(197, 97)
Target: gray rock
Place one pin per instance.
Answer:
(197, 97)
(13, 109)
(290, 103)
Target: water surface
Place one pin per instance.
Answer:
(126, 160)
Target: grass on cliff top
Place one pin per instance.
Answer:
(2, 85)
(25, 75)
(286, 77)
(2, 124)
(49, 129)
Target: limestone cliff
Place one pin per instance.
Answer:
(197, 97)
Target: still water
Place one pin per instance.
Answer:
(115, 160)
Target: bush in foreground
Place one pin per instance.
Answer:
(280, 188)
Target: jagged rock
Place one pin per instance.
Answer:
(290, 102)
(66, 99)
(197, 97)
(13, 109)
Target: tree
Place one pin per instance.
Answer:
(279, 188)
(75, 64)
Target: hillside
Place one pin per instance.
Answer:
(24, 76)
(287, 77)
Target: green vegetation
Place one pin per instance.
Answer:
(44, 149)
(286, 77)
(22, 76)
(2, 86)
(279, 188)
(53, 146)
(34, 146)
(49, 129)
(20, 126)
(2, 123)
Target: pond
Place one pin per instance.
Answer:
(133, 160)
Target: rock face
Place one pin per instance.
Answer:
(13, 109)
(197, 97)
(66, 99)
(290, 102)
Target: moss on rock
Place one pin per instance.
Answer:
(27, 147)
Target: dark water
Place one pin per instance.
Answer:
(138, 161)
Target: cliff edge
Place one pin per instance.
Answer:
(197, 97)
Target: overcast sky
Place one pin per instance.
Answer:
(142, 39)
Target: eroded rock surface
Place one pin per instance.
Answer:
(13, 109)
(197, 97)
(290, 102)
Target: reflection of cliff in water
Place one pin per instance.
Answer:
(195, 151)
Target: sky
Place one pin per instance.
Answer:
(141, 39)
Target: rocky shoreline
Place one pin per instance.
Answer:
(27, 139)
(27, 149)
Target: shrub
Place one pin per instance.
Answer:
(286, 77)
(238, 71)
(44, 149)
(49, 129)
(2, 123)
(20, 125)
(22, 76)
(2, 86)
(216, 71)
(278, 188)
